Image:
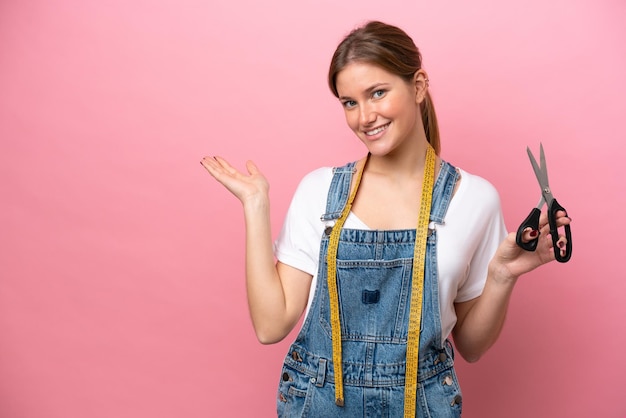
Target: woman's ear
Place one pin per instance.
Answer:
(420, 80)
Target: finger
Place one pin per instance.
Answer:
(560, 213)
(225, 165)
(217, 169)
(210, 165)
(252, 168)
(562, 244)
(529, 234)
(563, 219)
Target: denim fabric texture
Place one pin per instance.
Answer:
(374, 281)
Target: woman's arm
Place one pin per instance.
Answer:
(277, 293)
(480, 320)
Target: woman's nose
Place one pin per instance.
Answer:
(367, 114)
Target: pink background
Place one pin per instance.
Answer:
(121, 260)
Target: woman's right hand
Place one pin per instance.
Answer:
(246, 187)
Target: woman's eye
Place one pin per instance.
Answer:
(348, 104)
(378, 94)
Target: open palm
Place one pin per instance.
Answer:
(245, 187)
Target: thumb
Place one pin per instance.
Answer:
(252, 168)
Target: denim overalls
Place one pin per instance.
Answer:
(374, 277)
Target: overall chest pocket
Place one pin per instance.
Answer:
(374, 298)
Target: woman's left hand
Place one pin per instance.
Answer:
(511, 261)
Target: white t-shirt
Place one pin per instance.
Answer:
(472, 230)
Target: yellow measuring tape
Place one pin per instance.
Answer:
(333, 244)
(417, 291)
(419, 255)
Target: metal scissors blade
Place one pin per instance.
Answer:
(541, 172)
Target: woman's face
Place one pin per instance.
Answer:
(380, 107)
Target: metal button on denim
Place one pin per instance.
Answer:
(441, 358)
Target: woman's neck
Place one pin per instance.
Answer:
(405, 162)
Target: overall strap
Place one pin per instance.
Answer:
(444, 188)
(339, 191)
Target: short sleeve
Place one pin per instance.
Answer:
(486, 222)
(298, 243)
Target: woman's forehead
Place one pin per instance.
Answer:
(358, 76)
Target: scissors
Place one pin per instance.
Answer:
(532, 221)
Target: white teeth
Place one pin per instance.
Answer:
(377, 130)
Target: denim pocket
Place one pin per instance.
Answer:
(441, 395)
(293, 393)
(373, 300)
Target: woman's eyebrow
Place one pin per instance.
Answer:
(367, 91)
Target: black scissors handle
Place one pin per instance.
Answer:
(554, 232)
(532, 222)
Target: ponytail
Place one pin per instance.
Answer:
(429, 119)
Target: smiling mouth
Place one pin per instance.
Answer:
(377, 130)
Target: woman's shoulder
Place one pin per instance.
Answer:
(475, 181)
(477, 189)
(318, 178)
(313, 188)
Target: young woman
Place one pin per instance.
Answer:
(388, 255)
